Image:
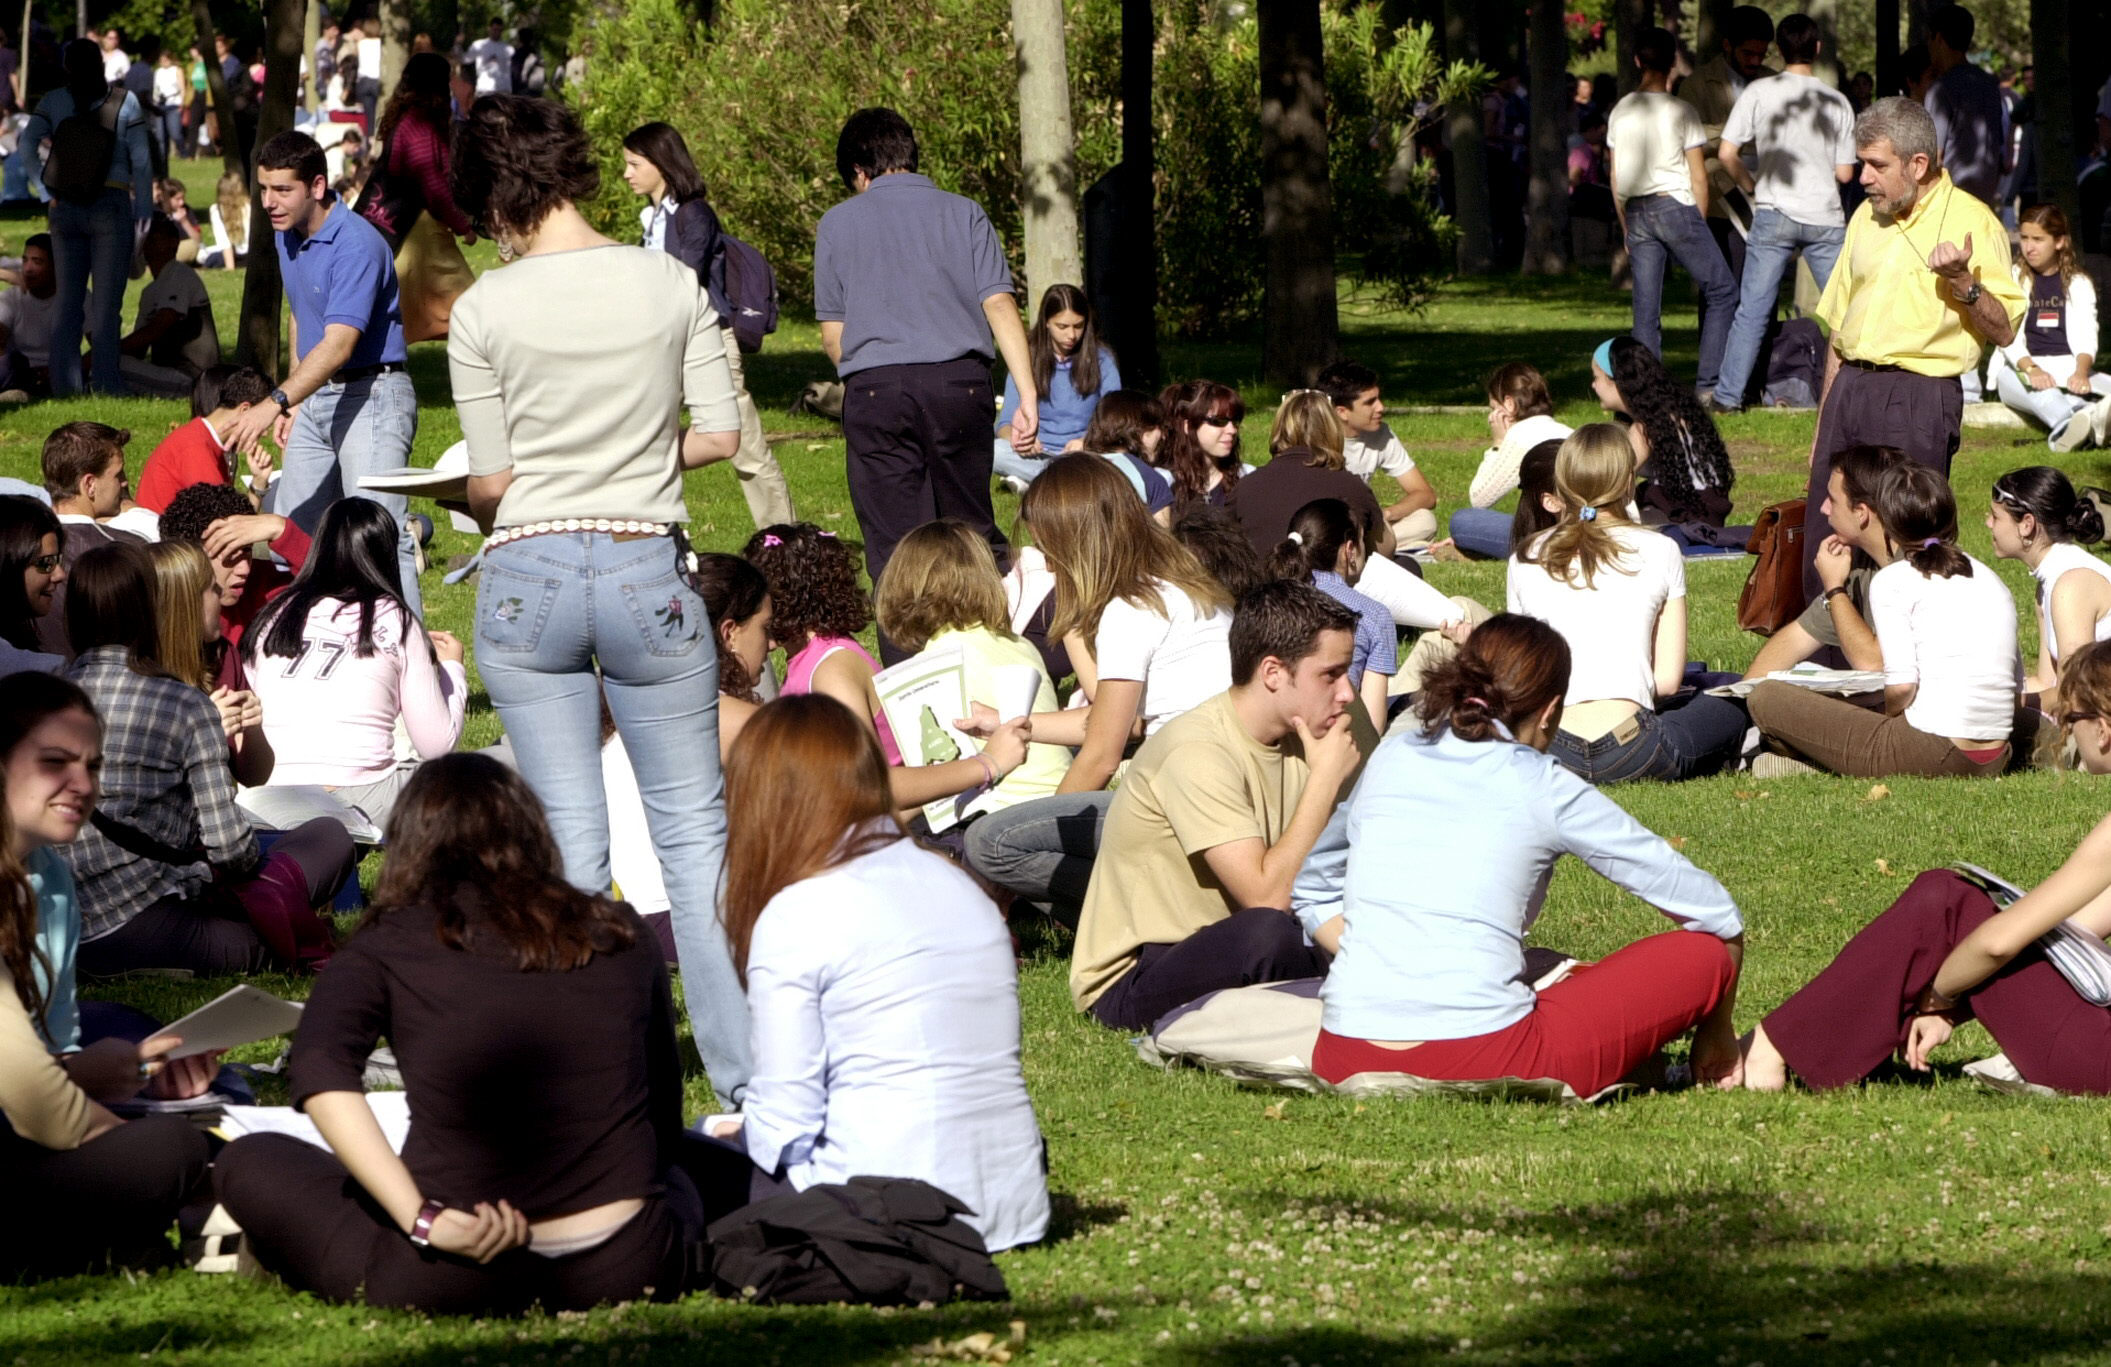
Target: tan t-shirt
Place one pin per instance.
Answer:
(1200, 782)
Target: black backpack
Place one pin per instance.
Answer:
(82, 148)
(751, 293)
(872, 1241)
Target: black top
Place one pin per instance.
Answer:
(2045, 320)
(555, 1091)
(1266, 500)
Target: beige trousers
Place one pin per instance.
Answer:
(1432, 649)
(761, 479)
(1418, 528)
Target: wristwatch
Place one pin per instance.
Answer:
(1970, 296)
(421, 1228)
(278, 396)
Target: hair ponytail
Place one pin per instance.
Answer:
(1594, 476)
(1318, 531)
(2048, 496)
(1919, 513)
(1509, 670)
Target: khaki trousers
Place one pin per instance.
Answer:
(1838, 735)
(761, 479)
(1418, 528)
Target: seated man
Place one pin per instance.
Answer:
(1216, 815)
(26, 316)
(1838, 619)
(84, 473)
(175, 338)
(219, 518)
(196, 453)
(1371, 447)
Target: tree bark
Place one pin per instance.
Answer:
(1827, 15)
(1547, 192)
(1630, 17)
(258, 338)
(1047, 150)
(1300, 317)
(2054, 95)
(395, 47)
(1711, 19)
(1887, 77)
(1136, 250)
(1469, 154)
(233, 156)
(311, 42)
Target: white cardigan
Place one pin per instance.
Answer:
(1500, 464)
(2081, 327)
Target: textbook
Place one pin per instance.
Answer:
(922, 697)
(2082, 958)
(1840, 683)
(238, 1016)
(391, 1111)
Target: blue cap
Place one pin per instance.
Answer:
(1603, 356)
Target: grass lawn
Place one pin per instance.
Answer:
(1909, 1222)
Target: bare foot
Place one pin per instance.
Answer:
(1764, 1068)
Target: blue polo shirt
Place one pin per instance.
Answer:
(344, 273)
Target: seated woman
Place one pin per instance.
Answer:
(535, 1029)
(1684, 466)
(169, 874)
(339, 658)
(1457, 825)
(89, 1184)
(32, 567)
(2047, 373)
(1617, 593)
(1520, 418)
(1946, 627)
(1201, 451)
(1944, 953)
(882, 987)
(1072, 369)
(1324, 548)
(2036, 518)
(738, 598)
(194, 646)
(1128, 428)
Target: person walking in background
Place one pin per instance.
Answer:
(1713, 90)
(914, 297)
(412, 176)
(1660, 188)
(493, 56)
(678, 218)
(1965, 101)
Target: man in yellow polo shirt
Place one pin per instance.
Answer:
(1922, 286)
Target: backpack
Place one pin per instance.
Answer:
(82, 148)
(871, 1241)
(751, 293)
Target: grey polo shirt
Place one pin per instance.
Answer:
(904, 267)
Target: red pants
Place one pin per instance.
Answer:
(1853, 1016)
(1589, 1030)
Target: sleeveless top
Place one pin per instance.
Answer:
(799, 678)
(2065, 556)
(2045, 318)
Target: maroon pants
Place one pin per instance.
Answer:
(1854, 1015)
(1589, 1030)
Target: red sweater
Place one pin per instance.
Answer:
(189, 455)
(266, 582)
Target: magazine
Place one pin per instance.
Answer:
(2082, 957)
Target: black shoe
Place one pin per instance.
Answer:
(1715, 408)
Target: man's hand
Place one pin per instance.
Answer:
(1834, 559)
(229, 534)
(252, 423)
(1952, 262)
(1331, 757)
(1026, 426)
(282, 426)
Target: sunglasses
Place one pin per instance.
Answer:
(44, 564)
(2070, 718)
(1217, 420)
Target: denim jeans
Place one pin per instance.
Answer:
(1005, 461)
(1660, 230)
(1683, 740)
(343, 431)
(1043, 850)
(1481, 531)
(548, 608)
(1769, 252)
(90, 239)
(2047, 408)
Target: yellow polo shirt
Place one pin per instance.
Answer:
(1884, 306)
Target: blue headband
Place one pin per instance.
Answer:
(1603, 356)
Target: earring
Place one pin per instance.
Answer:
(506, 251)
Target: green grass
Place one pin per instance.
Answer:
(1907, 1222)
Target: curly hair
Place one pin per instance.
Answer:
(1686, 453)
(516, 158)
(813, 578)
(199, 506)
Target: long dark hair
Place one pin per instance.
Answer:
(468, 829)
(1040, 346)
(1317, 533)
(24, 523)
(1535, 476)
(26, 699)
(1919, 512)
(110, 602)
(662, 145)
(2048, 495)
(1186, 405)
(1510, 668)
(1682, 437)
(733, 591)
(353, 560)
(813, 579)
(423, 89)
(1119, 421)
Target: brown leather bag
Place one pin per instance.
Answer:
(1773, 594)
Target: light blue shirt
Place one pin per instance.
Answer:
(131, 164)
(1439, 863)
(1377, 640)
(58, 935)
(1064, 413)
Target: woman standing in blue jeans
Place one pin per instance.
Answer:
(571, 369)
(92, 231)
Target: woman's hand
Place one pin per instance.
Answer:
(1923, 1037)
(177, 1079)
(448, 647)
(482, 1234)
(1006, 746)
(233, 707)
(1457, 632)
(1716, 1059)
(2039, 379)
(2078, 384)
(981, 722)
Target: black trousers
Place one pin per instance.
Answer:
(114, 1196)
(919, 439)
(1919, 414)
(308, 1222)
(1257, 945)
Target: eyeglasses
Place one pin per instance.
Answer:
(44, 564)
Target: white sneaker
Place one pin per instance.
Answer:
(1013, 483)
(2078, 431)
(2099, 414)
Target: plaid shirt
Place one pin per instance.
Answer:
(166, 775)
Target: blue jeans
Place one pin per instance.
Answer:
(166, 126)
(1481, 531)
(1683, 740)
(1042, 850)
(343, 431)
(1660, 230)
(93, 238)
(548, 608)
(1005, 461)
(1769, 252)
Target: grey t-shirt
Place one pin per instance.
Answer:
(1792, 130)
(1969, 128)
(904, 267)
(1817, 618)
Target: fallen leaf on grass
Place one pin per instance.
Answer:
(1877, 793)
(1883, 866)
(983, 1347)
(1677, 842)
(1273, 1112)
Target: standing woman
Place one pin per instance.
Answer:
(412, 177)
(678, 219)
(93, 233)
(582, 424)
(1072, 368)
(2036, 518)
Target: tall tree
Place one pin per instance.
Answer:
(1887, 77)
(1047, 155)
(1547, 191)
(395, 44)
(311, 42)
(1301, 319)
(1630, 17)
(233, 156)
(1469, 153)
(2053, 93)
(1135, 249)
(262, 296)
(1827, 15)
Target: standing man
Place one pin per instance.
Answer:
(1713, 90)
(911, 289)
(348, 408)
(1797, 133)
(493, 56)
(1653, 143)
(1965, 102)
(1923, 282)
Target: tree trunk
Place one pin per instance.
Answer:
(233, 156)
(1630, 17)
(1469, 155)
(395, 48)
(1300, 320)
(1711, 20)
(1047, 153)
(1827, 15)
(258, 338)
(1136, 250)
(2054, 96)
(1887, 77)
(311, 42)
(1547, 192)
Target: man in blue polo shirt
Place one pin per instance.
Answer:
(348, 408)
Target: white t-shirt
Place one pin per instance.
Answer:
(1611, 627)
(170, 87)
(1181, 659)
(369, 54)
(1649, 133)
(633, 863)
(1956, 638)
(28, 321)
(115, 64)
(494, 66)
(2062, 558)
(1792, 130)
(1381, 450)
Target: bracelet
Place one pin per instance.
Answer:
(421, 1228)
(1933, 1003)
(989, 770)
(1834, 592)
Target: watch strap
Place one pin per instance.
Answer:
(421, 1228)
(278, 396)
(1834, 592)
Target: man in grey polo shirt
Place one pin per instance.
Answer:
(911, 289)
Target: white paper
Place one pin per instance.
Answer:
(923, 696)
(241, 1015)
(1841, 683)
(1018, 689)
(391, 1109)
